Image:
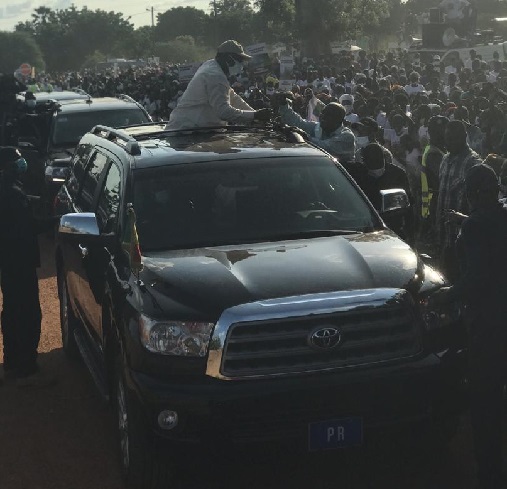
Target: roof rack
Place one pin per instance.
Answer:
(292, 134)
(174, 132)
(126, 98)
(118, 136)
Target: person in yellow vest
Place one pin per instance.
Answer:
(430, 167)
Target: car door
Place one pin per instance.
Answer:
(78, 252)
(99, 257)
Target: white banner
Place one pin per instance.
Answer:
(256, 49)
(286, 68)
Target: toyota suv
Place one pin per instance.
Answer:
(236, 285)
(49, 136)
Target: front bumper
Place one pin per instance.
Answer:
(431, 387)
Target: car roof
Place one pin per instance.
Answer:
(60, 96)
(94, 104)
(157, 147)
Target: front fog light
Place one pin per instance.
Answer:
(168, 420)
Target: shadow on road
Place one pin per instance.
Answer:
(57, 437)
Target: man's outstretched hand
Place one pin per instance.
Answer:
(263, 115)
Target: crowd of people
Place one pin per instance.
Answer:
(392, 99)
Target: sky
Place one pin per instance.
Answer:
(14, 11)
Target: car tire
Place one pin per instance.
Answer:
(143, 465)
(68, 321)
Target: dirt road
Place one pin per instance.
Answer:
(63, 437)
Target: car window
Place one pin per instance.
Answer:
(244, 201)
(90, 181)
(78, 165)
(109, 200)
(70, 127)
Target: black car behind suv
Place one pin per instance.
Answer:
(227, 284)
(49, 134)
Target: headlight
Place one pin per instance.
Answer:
(178, 338)
(438, 316)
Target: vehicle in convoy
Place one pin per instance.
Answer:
(49, 136)
(233, 285)
(58, 96)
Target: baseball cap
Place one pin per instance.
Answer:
(233, 47)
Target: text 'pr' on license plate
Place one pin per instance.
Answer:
(335, 433)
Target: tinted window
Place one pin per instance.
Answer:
(244, 201)
(90, 181)
(109, 200)
(78, 167)
(70, 127)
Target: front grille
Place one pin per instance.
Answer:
(282, 346)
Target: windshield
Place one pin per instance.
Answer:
(69, 128)
(245, 201)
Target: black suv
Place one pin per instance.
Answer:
(231, 284)
(49, 135)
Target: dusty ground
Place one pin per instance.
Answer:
(62, 437)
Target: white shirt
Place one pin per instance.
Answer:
(411, 89)
(492, 76)
(450, 69)
(352, 118)
(209, 101)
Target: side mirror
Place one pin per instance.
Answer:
(84, 228)
(394, 199)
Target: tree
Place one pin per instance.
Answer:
(275, 20)
(183, 49)
(319, 23)
(233, 19)
(138, 45)
(181, 21)
(18, 48)
(67, 37)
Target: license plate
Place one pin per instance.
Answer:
(335, 433)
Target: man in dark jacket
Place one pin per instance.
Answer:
(19, 259)
(483, 289)
(375, 174)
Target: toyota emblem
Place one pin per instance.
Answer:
(325, 338)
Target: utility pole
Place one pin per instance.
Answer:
(152, 16)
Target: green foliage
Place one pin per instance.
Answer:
(181, 21)
(181, 50)
(92, 60)
(318, 23)
(233, 19)
(275, 20)
(68, 36)
(138, 45)
(18, 48)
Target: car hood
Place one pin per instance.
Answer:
(208, 280)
